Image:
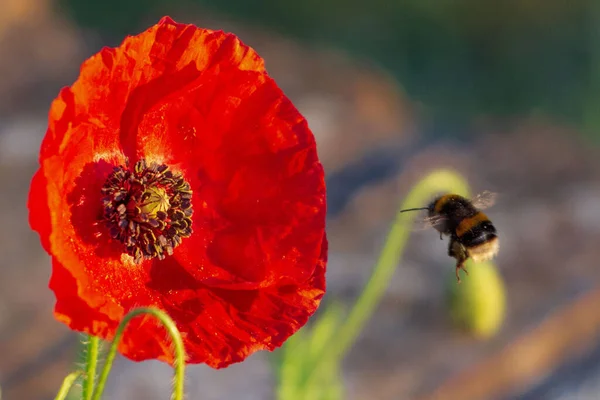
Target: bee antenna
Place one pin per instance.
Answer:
(414, 209)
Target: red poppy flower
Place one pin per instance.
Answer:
(176, 174)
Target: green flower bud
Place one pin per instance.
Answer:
(478, 304)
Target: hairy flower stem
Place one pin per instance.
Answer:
(438, 181)
(175, 337)
(91, 362)
(67, 385)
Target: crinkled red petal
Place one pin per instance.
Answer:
(201, 102)
(39, 213)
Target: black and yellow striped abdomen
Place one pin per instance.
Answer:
(478, 235)
(471, 228)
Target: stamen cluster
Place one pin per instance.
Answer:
(148, 209)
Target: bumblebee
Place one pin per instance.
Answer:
(472, 234)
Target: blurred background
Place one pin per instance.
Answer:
(507, 93)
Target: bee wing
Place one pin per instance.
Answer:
(428, 222)
(484, 200)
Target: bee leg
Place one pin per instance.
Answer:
(458, 268)
(458, 251)
(460, 264)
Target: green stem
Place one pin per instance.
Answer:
(67, 385)
(91, 362)
(175, 337)
(436, 182)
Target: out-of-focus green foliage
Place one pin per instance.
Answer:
(305, 367)
(459, 58)
(463, 56)
(591, 116)
(478, 304)
(114, 19)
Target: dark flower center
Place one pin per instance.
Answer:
(148, 209)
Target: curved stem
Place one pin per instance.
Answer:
(175, 337)
(436, 182)
(91, 362)
(67, 385)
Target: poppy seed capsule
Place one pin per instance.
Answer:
(155, 200)
(148, 209)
